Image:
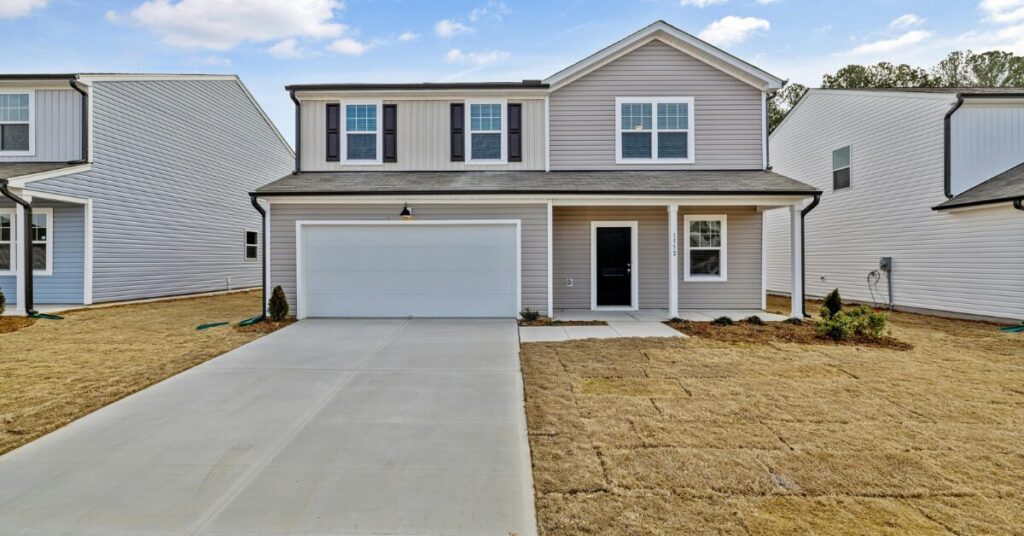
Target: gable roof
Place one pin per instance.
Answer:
(1004, 187)
(674, 37)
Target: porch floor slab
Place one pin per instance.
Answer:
(614, 330)
(660, 315)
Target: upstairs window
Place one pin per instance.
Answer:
(252, 245)
(362, 133)
(15, 123)
(654, 130)
(486, 135)
(841, 168)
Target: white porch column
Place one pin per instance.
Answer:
(673, 261)
(18, 243)
(797, 268)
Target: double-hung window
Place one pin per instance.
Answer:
(362, 133)
(704, 250)
(252, 245)
(6, 241)
(487, 141)
(654, 130)
(16, 123)
(42, 248)
(841, 168)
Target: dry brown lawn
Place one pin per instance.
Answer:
(55, 371)
(696, 436)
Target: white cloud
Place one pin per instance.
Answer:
(888, 45)
(732, 30)
(112, 16)
(1002, 11)
(212, 60)
(488, 57)
(906, 21)
(12, 9)
(1008, 38)
(701, 3)
(449, 28)
(408, 36)
(495, 9)
(348, 47)
(286, 49)
(766, 2)
(223, 24)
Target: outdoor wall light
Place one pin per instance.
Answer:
(406, 213)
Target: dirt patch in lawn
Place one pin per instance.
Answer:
(10, 324)
(705, 436)
(777, 332)
(56, 371)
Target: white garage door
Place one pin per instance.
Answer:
(409, 269)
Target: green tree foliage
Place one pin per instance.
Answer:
(883, 74)
(783, 102)
(833, 302)
(278, 306)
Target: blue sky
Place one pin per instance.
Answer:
(270, 43)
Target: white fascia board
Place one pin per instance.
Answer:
(771, 201)
(21, 181)
(57, 197)
(676, 38)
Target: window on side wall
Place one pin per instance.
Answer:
(486, 134)
(15, 123)
(654, 130)
(841, 168)
(6, 241)
(252, 245)
(704, 249)
(362, 133)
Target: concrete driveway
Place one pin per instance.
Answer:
(326, 427)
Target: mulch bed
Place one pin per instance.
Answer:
(10, 324)
(267, 326)
(777, 332)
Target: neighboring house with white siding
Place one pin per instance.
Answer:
(931, 178)
(136, 184)
(633, 180)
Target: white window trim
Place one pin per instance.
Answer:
(245, 247)
(634, 256)
(724, 248)
(849, 166)
(343, 130)
(654, 101)
(10, 212)
(468, 132)
(31, 122)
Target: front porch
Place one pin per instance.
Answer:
(661, 315)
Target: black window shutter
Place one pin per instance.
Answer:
(458, 123)
(515, 132)
(391, 133)
(333, 132)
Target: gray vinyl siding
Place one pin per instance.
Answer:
(969, 262)
(534, 237)
(986, 140)
(572, 246)
(65, 285)
(727, 113)
(424, 142)
(172, 164)
(58, 127)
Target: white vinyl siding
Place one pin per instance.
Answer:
(969, 262)
(987, 138)
(56, 128)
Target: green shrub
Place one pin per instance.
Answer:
(529, 314)
(833, 302)
(862, 322)
(722, 321)
(796, 321)
(3, 302)
(754, 319)
(278, 306)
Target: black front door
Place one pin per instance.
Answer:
(614, 266)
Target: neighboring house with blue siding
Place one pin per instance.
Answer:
(930, 179)
(137, 185)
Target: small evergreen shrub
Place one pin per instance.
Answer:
(842, 325)
(754, 319)
(3, 302)
(794, 321)
(529, 314)
(722, 321)
(833, 302)
(278, 306)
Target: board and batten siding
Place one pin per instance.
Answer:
(424, 142)
(57, 128)
(572, 257)
(969, 262)
(533, 219)
(987, 138)
(65, 284)
(727, 116)
(173, 161)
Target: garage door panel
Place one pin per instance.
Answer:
(410, 270)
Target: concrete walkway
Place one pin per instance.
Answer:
(325, 427)
(614, 330)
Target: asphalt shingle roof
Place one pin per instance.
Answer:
(537, 182)
(1004, 187)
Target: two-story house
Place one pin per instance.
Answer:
(129, 186)
(634, 180)
(923, 198)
